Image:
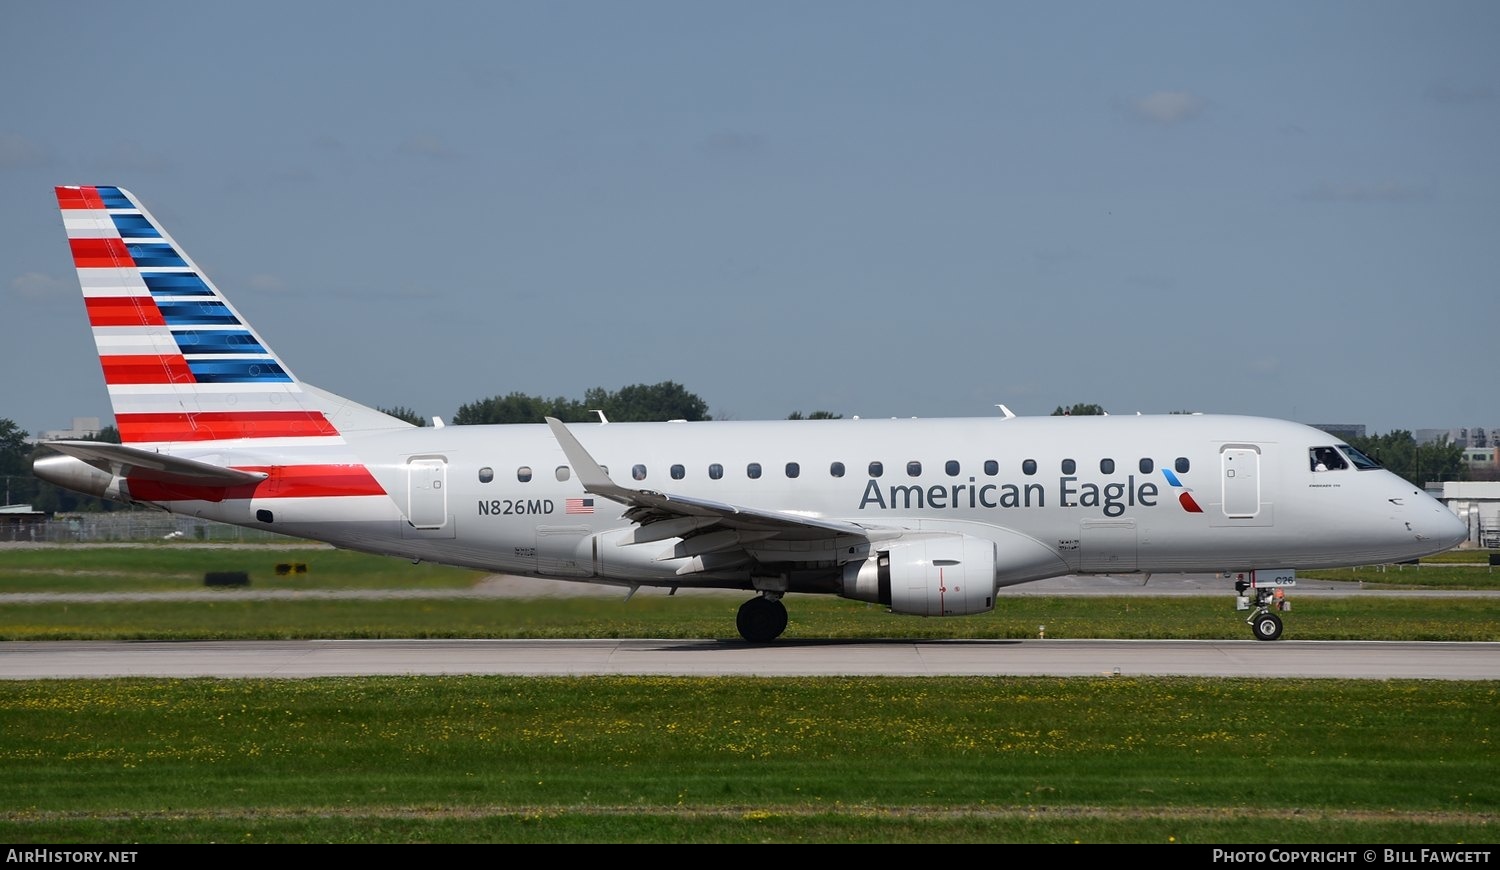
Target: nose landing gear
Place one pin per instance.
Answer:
(1264, 624)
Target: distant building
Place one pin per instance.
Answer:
(1478, 504)
(1466, 436)
(83, 427)
(1481, 458)
(1341, 430)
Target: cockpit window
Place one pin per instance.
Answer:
(1361, 461)
(1325, 459)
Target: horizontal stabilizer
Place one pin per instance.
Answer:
(133, 462)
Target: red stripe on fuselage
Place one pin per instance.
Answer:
(78, 198)
(123, 311)
(146, 369)
(100, 253)
(284, 481)
(222, 425)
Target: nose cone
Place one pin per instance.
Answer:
(1446, 528)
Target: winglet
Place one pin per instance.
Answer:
(590, 473)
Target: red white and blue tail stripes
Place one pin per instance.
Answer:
(180, 363)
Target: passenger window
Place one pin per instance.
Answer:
(562, 472)
(1106, 466)
(486, 474)
(991, 467)
(523, 473)
(753, 471)
(793, 469)
(1147, 466)
(836, 469)
(1182, 465)
(876, 469)
(1028, 467)
(638, 471)
(715, 471)
(1069, 466)
(951, 467)
(678, 472)
(913, 469)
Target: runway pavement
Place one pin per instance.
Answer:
(320, 658)
(784, 658)
(509, 586)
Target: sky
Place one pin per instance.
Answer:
(1288, 209)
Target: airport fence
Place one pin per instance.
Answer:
(126, 526)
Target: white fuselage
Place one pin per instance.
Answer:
(1069, 494)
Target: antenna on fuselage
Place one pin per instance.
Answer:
(1009, 414)
(602, 419)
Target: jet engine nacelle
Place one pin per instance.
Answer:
(943, 575)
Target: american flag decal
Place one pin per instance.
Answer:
(580, 505)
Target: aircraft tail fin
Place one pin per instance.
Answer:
(180, 362)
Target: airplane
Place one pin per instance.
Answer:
(928, 517)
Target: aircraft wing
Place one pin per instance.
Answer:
(123, 461)
(718, 534)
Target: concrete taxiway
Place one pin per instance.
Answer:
(708, 657)
(1269, 660)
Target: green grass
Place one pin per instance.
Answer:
(181, 567)
(712, 616)
(650, 759)
(1428, 575)
(720, 760)
(1461, 556)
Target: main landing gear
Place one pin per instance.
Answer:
(1264, 624)
(762, 619)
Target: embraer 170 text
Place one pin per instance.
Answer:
(926, 517)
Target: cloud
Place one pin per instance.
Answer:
(1054, 257)
(35, 285)
(731, 142)
(1442, 92)
(131, 157)
(1265, 365)
(427, 147)
(264, 283)
(18, 152)
(1385, 191)
(1168, 107)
